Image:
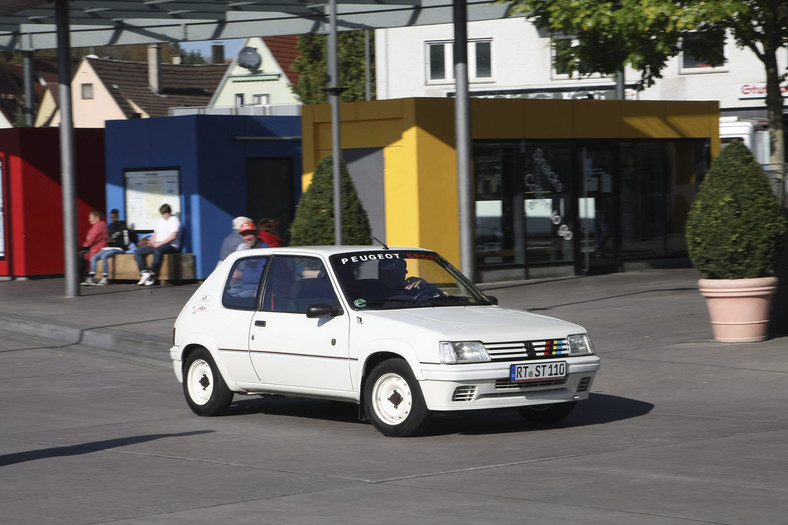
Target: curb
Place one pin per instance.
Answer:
(100, 338)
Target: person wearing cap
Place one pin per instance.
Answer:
(231, 242)
(251, 240)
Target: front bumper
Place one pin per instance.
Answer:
(487, 385)
(177, 364)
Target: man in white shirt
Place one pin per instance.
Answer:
(165, 239)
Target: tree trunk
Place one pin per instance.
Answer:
(774, 100)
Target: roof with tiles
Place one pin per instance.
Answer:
(180, 85)
(12, 83)
(284, 50)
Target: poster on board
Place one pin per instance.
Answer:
(146, 191)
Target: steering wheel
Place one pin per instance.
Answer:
(428, 291)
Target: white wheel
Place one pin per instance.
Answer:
(203, 385)
(200, 378)
(393, 400)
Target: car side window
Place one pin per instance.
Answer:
(243, 283)
(294, 283)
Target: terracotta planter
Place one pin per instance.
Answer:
(739, 308)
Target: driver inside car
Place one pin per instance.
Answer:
(392, 274)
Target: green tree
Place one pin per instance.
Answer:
(312, 67)
(313, 224)
(644, 34)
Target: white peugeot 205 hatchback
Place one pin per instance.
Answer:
(398, 331)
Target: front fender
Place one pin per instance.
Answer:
(378, 350)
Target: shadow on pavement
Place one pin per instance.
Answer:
(86, 448)
(597, 410)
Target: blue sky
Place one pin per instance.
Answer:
(231, 47)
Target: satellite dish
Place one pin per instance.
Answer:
(249, 58)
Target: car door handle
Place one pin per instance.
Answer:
(259, 323)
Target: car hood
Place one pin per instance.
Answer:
(484, 323)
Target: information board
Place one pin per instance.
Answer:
(146, 191)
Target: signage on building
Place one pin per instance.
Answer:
(757, 90)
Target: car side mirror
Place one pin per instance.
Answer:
(318, 311)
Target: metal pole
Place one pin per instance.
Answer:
(67, 177)
(333, 97)
(27, 71)
(463, 142)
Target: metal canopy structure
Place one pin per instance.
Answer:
(27, 25)
(31, 24)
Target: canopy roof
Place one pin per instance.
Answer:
(30, 24)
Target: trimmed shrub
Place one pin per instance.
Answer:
(735, 225)
(313, 224)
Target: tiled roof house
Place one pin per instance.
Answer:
(105, 89)
(12, 87)
(267, 84)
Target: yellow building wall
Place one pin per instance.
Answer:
(417, 137)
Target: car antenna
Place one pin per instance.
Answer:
(379, 242)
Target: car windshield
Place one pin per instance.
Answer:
(389, 279)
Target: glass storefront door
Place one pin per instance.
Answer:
(598, 211)
(548, 210)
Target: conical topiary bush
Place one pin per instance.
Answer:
(313, 224)
(735, 226)
(735, 231)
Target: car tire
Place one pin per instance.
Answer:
(546, 414)
(203, 385)
(393, 400)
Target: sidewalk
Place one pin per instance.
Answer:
(640, 309)
(126, 318)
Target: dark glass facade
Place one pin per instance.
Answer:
(585, 206)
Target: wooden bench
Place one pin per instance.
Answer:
(175, 267)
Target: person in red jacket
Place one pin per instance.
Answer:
(95, 240)
(268, 231)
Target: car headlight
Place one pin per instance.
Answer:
(580, 344)
(453, 352)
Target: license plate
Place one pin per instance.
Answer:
(537, 371)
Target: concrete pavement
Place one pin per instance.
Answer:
(679, 429)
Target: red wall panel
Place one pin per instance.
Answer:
(34, 200)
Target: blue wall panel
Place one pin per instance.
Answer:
(210, 151)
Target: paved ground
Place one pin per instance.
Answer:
(679, 429)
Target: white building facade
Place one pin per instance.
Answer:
(511, 58)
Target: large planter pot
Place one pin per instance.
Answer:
(739, 308)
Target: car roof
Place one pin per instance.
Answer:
(321, 251)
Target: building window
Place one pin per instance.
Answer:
(483, 56)
(437, 54)
(239, 100)
(702, 52)
(440, 61)
(87, 91)
(261, 99)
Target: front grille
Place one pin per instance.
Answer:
(464, 393)
(519, 350)
(505, 384)
(584, 384)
